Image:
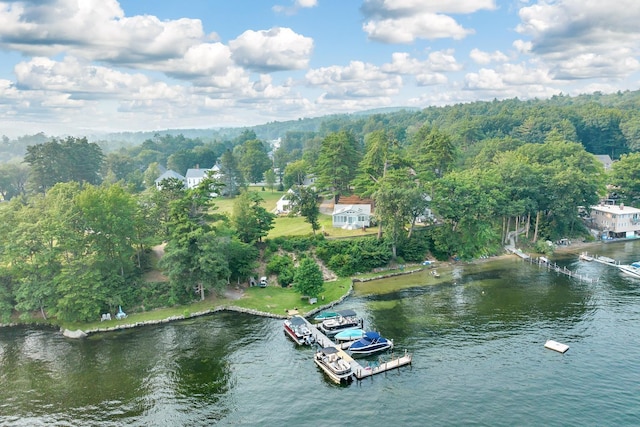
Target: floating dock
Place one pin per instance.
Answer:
(556, 346)
(358, 370)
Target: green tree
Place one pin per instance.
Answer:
(625, 175)
(295, 173)
(433, 153)
(13, 180)
(254, 160)
(230, 174)
(304, 201)
(251, 220)
(308, 278)
(270, 179)
(337, 162)
(195, 257)
(73, 159)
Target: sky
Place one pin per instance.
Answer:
(79, 67)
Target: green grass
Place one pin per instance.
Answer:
(291, 226)
(277, 300)
(272, 299)
(225, 205)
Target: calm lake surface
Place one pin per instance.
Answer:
(478, 359)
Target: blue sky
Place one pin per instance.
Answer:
(84, 66)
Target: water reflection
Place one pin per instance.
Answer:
(477, 339)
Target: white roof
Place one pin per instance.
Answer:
(170, 174)
(616, 209)
(359, 209)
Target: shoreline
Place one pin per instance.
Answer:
(81, 333)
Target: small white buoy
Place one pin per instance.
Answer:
(556, 346)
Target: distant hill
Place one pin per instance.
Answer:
(603, 123)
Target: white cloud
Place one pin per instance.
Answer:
(403, 63)
(357, 80)
(71, 77)
(584, 38)
(404, 21)
(297, 5)
(507, 77)
(274, 49)
(483, 58)
(93, 30)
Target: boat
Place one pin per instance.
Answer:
(349, 335)
(632, 270)
(296, 328)
(332, 363)
(347, 319)
(369, 344)
(325, 316)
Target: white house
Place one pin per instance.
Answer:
(352, 212)
(283, 205)
(168, 175)
(195, 176)
(616, 221)
(605, 160)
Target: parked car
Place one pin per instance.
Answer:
(263, 282)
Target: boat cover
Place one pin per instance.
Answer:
(297, 321)
(347, 313)
(329, 350)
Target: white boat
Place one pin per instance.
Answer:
(332, 363)
(296, 328)
(347, 319)
(632, 270)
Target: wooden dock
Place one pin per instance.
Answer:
(518, 252)
(358, 370)
(604, 260)
(543, 262)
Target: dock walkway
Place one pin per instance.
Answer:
(358, 370)
(544, 262)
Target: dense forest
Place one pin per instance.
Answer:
(80, 216)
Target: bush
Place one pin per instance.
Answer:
(279, 263)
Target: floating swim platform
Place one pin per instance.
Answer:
(556, 346)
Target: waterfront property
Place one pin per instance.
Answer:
(352, 212)
(616, 221)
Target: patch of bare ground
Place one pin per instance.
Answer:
(156, 275)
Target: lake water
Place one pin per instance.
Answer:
(478, 359)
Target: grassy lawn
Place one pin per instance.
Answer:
(272, 299)
(291, 226)
(225, 205)
(277, 300)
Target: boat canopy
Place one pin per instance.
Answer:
(372, 336)
(636, 264)
(329, 350)
(297, 321)
(347, 313)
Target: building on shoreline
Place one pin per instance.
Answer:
(616, 221)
